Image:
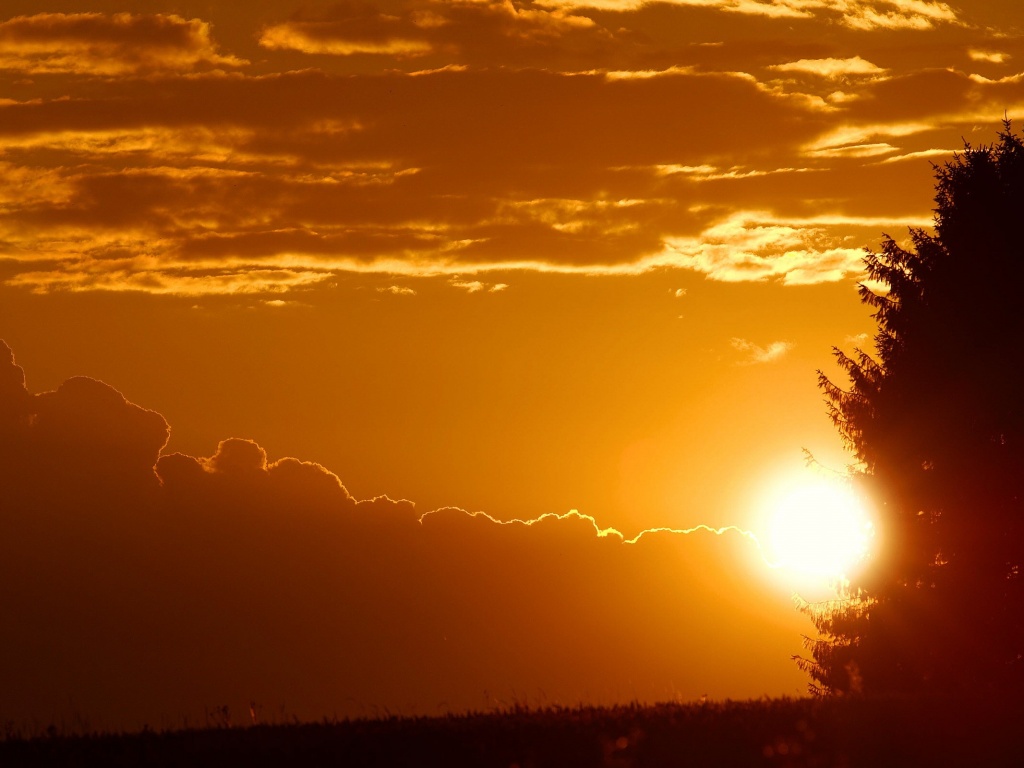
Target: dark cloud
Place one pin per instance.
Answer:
(84, 437)
(108, 44)
(367, 244)
(919, 95)
(239, 579)
(15, 401)
(489, 116)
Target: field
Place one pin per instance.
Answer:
(780, 732)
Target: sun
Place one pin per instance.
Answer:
(818, 530)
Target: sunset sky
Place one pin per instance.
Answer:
(509, 258)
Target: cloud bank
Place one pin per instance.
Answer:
(431, 139)
(139, 587)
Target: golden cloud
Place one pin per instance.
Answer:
(24, 186)
(831, 68)
(477, 286)
(920, 154)
(993, 57)
(894, 14)
(642, 74)
(398, 290)
(194, 178)
(87, 275)
(312, 37)
(752, 246)
(252, 259)
(108, 44)
(478, 31)
(856, 14)
(856, 139)
(183, 185)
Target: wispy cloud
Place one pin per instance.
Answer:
(856, 14)
(755, 354)
(477, 286)
(311, 37)
(992, 57)
(398, 290)
(751, 246)
(831, 68)
(481, 32)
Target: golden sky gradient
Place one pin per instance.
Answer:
(515, 258)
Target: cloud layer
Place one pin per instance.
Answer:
(141, 153)
(141, 587)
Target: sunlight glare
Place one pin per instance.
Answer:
(818, 530)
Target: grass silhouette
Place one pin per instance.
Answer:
(769, 732)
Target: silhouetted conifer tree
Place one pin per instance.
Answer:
(936, 420)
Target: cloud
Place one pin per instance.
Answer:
(233, 578)
(831, 68)
(188, 185)
(197, 189)
(924, 153)
(398, 290)
(15, 401)
(856, 14)
(756, 354)
(895, 14)
(752, 246)
(855, 140)
(482, 32)
(477, 286)
(314, 37)
(236, 456)
(280, 303)
(108, 44)
(84, 437)
(925, 100)
(992, 57)
(124, 277)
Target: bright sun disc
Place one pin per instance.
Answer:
(819, 530)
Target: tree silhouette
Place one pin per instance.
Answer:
(935, 419)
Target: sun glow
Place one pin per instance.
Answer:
(817, 532)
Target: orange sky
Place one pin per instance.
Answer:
(516, 258)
